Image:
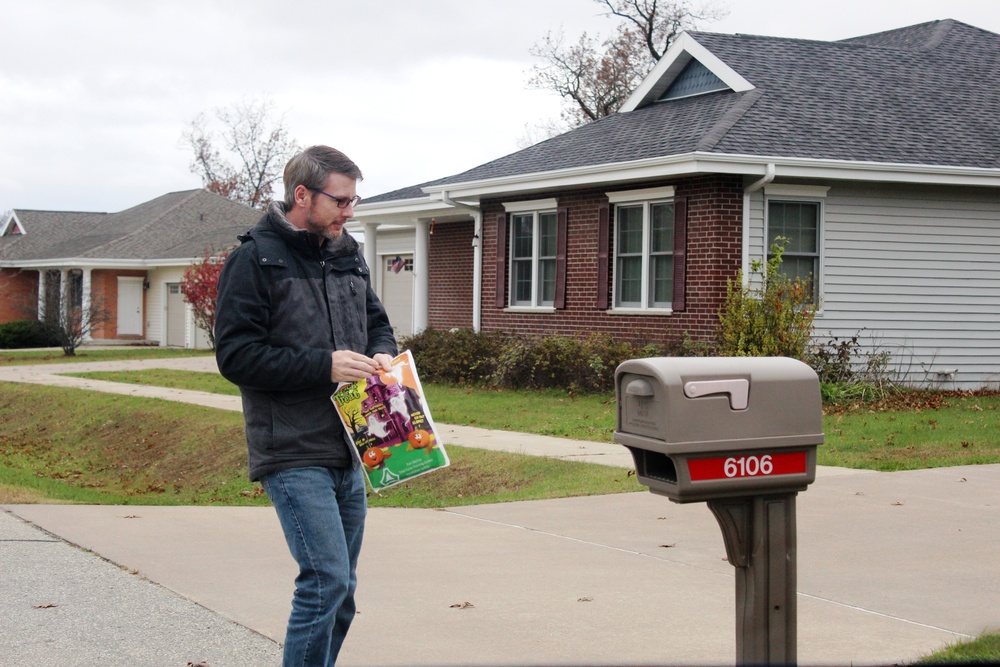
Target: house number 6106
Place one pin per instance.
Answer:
(748, 466)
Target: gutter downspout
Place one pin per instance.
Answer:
(753, 187)
(477, 259)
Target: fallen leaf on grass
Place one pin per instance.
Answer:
(462, 605)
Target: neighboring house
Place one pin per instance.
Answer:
(131, 263)
(878, 156)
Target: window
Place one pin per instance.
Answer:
(531, 267)
(533, 259)
(643, 250)
(798, 221)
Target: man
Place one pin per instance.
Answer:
(296, 314)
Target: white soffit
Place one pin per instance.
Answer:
(681, 52)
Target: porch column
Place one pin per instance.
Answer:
(421, 279)
(43, 281)
(477, 271)
(371, 255)
(88, 335)
(64, 296)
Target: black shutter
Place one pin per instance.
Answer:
(562, 216)
(603, 251)
(501, 260)
(680, 252)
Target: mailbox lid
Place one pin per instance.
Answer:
(697, 400)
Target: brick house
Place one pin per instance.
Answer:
(877, 156)
(131, 263)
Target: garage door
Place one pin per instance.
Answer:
(397, 292)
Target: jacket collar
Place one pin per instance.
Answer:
(302, 240)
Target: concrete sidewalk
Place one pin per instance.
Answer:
(890, 567)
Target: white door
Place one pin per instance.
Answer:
(175, 315)
(397, 292)
(129, 306)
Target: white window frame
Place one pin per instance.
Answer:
(534, 208)
(808, 194)
(646, 198)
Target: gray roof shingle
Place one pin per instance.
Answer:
(178, 225)
(927, 94)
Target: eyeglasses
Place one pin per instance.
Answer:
(342, 202)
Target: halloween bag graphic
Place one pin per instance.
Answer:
(387, 419)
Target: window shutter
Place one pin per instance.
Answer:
(680, 252)
(562, 216)
(603, 252)
(501, 260)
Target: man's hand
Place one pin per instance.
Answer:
(350, 366)
(384, 360)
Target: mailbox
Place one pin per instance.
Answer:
(701, 428)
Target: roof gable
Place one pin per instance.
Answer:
(11, 226)
(675, 64)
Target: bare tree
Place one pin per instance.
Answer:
(246, 159)
(74, 324)
(595, 78)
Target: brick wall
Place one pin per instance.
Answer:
(104, 290)
(450, 276)
(18, 295)
(714, 237)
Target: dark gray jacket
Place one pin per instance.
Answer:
(285, 304)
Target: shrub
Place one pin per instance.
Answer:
(27, 333)
(774, 319)
(458, 356)
(581, 365)
(849, 372)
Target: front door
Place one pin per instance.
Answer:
(129, 306)
(175, 315)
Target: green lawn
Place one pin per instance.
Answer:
(960, 430)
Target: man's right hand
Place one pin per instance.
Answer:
(351, 366)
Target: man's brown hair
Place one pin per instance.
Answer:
(313, 166)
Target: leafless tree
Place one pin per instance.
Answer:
(245, 159)
(596, 77)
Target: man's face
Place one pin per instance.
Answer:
(324, 216)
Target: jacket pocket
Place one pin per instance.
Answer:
(304, 424)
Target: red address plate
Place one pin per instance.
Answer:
(743, 466)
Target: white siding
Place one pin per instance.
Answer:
(917, 271)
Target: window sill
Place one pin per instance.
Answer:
(540, 310)
(657, 312)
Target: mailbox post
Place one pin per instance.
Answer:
(739, 433)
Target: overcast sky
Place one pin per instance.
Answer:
(96, 94)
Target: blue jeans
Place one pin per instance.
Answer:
(322, 513)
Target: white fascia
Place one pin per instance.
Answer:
(681, 52)
(105, 264)
(402, 212)
(714, 163)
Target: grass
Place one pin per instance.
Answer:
(955, 429)
(84, 354)
(983, 650)
(113, 449)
